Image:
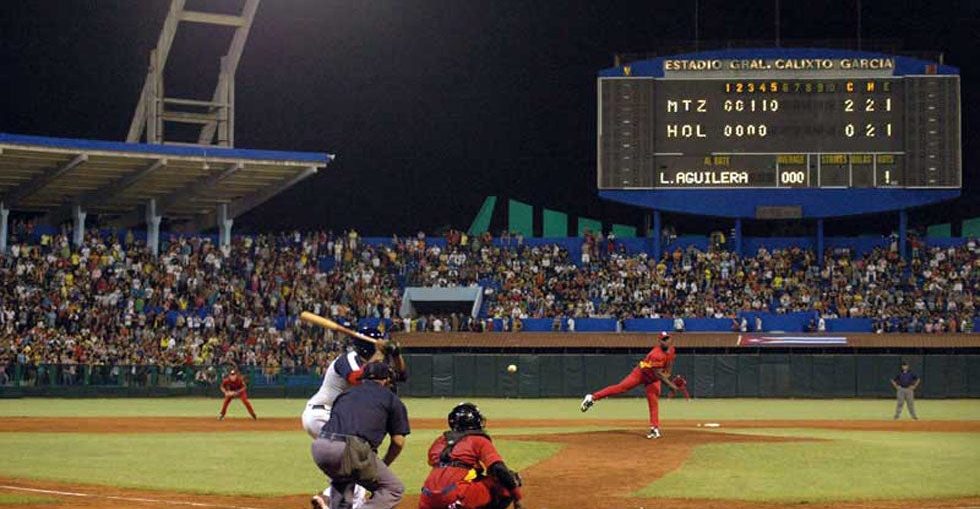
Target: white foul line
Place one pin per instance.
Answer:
(126, 499)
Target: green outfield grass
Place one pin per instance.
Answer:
(616, 408)
(843, 465)
(840, 465)
(263, 464)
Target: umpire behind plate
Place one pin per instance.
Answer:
(347, 446)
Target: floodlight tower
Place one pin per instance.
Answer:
(215, 116)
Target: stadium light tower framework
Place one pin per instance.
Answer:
(216, 116)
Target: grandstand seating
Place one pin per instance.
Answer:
(112, 302)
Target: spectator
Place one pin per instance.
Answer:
(678, 324)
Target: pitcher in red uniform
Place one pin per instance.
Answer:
(650, 372)
(233, 386)
(467, 471)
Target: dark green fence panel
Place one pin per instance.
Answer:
(774, 375)
(528, 377)
(464, 367)
(486, 375)
(573, 375)
(802, 372)
(704, 376)
(866, 380)
(551, 375)
(934, 376)
(726, 376)
(845, 383)
(748, 375)
(419, 375)
(442, 375)
(507, 384)
(956, 381)
(973, 375)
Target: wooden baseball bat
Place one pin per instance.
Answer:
(327, 323)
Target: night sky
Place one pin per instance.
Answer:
(429, 105)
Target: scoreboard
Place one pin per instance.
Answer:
(793, 123)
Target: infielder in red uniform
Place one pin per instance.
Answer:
(650, 372)
(467, 471)
(233, 386)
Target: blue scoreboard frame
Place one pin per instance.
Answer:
(852, 133)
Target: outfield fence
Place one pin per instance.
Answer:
(710, 375)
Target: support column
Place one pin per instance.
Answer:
(224, 225)
(903, 227)
(4, 216)
(738, 236)
(78, 234)
(153, 227)
(657, 235)
(820, 247)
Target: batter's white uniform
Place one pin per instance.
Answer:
(317, 411)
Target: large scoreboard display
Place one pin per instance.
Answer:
(794, 122)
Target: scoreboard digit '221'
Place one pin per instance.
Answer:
(779, 119)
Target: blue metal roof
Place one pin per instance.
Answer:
(316, 158)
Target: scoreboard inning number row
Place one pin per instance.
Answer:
(783, 132)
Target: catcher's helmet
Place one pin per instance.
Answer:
(364, 348)
(466, 417)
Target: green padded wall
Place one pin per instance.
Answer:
(592, 225)
(520, 218)
(944, 230)
(481, 223)
(971, 227)
(554, 224)
(623, 231)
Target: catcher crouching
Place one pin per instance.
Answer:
(467, 471)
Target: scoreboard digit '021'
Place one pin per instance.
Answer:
(821, 123)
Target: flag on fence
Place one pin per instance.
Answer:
(758, 340)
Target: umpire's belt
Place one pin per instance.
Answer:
(338, 437)
(444, 491)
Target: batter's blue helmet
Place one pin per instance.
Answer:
(364, 348)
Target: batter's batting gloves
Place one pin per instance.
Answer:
(394, 349)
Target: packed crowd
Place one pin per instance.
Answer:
(933, 291)
(110, 302)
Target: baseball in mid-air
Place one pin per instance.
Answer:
(512, 368)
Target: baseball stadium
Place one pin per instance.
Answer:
(463, 255)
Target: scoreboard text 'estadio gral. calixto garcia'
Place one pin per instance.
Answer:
(779, 123)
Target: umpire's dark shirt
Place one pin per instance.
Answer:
(370, 411)
(905, 378)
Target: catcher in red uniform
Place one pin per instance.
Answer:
(233, 386)
(467, 471)
(650, 372)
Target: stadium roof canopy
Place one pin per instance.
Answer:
(53, 175)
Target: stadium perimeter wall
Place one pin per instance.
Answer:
(470, 365)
